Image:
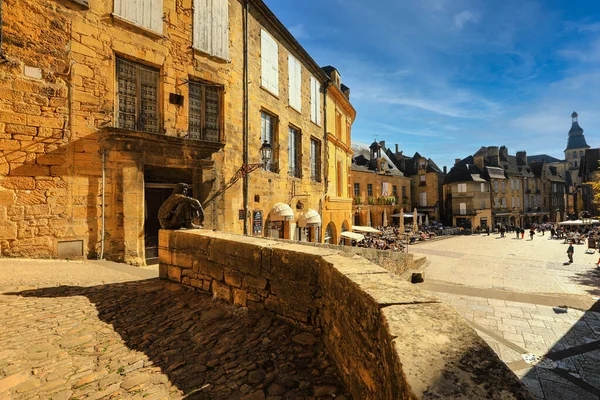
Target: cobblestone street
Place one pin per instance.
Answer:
(114, 331)
(521, 299)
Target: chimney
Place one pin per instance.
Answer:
(504, 153)
(445, 170)
(493, 156)
(522, 156)
(456, 161)
(478, 161)
(396, 147)
(382, 144)
(346, 92)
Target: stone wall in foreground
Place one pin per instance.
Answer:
(388, 339)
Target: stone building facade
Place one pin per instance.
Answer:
(467, 195)
(105, 105)
(427, 181)
(380, 189)
(337, 206)
(589, 171)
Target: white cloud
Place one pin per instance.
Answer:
(463, 17)
(299, 31)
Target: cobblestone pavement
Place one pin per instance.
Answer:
(107, 332)
(521, 298)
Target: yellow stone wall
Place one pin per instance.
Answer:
(338, 202)
(268, 188)
(431, 187)
(55, 126)
(373, 214)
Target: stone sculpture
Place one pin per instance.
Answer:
(180, 210)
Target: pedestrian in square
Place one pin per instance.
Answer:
(531, 233)
(570, 252)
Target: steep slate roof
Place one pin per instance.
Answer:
(536, 168)
(464, 171)
(576, 139)
(553, 175)
(542, 157)
(361, 161)
(589, 161)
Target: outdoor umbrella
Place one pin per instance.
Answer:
(368, 217)
(420, 218)
(385, 221)
(427, 220)
(415, 226)
(402, 220)
(557, 217)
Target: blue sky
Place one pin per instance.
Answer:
(445, 77)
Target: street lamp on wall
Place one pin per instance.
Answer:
(266, 152)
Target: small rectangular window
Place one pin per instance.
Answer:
(482, 205)
(463, 208)
(294, 152)
(137, 97)
(204, 111)
(462, 188)
(369, 189)
(423, 199)
(483, 187)
(315, 160)
(504, 202)
(356, 189)
(267, 132)
(294, 83)
(394, 191)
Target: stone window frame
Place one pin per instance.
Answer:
(139, 124)
(369, 190)
(194, 98)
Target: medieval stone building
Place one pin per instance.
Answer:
(105, 105)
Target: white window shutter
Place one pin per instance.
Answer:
(298, 76)
(145, 13)
(220, 29)
(313, 95)
(317, 102)
(291, 80)
(269, 62)
(202, 25)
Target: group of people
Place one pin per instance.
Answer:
(391, 238)
(571, 235)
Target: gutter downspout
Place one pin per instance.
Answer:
(103, 202)
(245, 114)
(326, 151)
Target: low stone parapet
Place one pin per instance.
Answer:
(388, 339)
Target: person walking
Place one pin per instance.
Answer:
(531, 233)
(570, 252)
(522, 233)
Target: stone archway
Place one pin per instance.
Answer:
(331, 236)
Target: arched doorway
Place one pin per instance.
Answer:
(330, 234)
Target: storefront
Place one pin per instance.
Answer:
(309, 226)
(278, 223)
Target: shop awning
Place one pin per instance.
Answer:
(351, 235)
(366, 229)
(281, 212)
(309, 218)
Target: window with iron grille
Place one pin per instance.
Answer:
(356, 189)
(369, 189)
(137, 97)
(315, 160)
(294, 152)
(267, 132)
(395, 191)
(204, 116)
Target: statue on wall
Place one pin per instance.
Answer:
(180, 210)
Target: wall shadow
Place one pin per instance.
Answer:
(571, 368)
(208, 349)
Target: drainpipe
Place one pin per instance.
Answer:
(326, 152)
(103, 202)
(245, 114)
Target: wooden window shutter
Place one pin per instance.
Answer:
(145, 13)
(202, 25)
(298, 82)
(294, 71)
(220, 29)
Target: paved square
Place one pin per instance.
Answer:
(522, 298)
